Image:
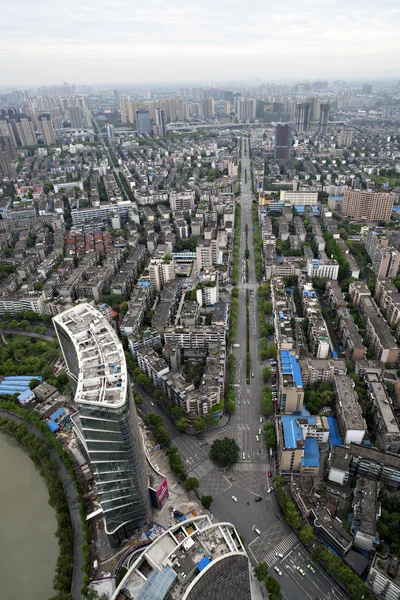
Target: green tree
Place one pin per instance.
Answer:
(137, 398)
(181, 424)
(266, 373)
(306, 535)
(191, 483)
(34, 383)
(225, 452)
(261, 571)
(124, 308)
(273, 586)
(199, 425)
(207, 501)
(271, 352)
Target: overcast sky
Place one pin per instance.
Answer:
(127, 41)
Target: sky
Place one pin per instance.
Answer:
(153, 41)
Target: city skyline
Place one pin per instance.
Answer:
(100, 44)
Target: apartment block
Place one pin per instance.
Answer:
(323, 268)
(367, 206)
(313, 370)
(334, 295)
(291, 390)
(182, 201)
(301, 198)
(385, 263)
(207, 251)
(352, 424)
(364, 461)
(161, 271)
(384, 577)
(153, 365)
(380, 340)
(386, 429)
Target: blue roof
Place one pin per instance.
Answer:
(334, 354)
(291, 431)
(299, 208)
(203, 563)
(52, 426)
(311, 453)
(157, 584)
(27, 378)
(25, 396)
(289, 365)
(396, 208)
(334, 433)
(336, 198)
(57, 414)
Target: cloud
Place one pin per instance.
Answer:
(123, 41)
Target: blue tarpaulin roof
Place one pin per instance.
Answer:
(181, 519)
(52, 426)
(203, 563)
(311, 453)
(334, 354)
(291, 431)
(57, 414)
(26, 396)
(289, 365)
(334, 434)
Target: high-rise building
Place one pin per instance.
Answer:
(8, 153)
(385, 263)
(208, 108)
(46, 129)
(116, 99)
(345, 138)
(226, 107)
(209, 562)
(108, 426)
(110, 131)
(122, 108)
(160, 123)
(283, 141)
(367, 88)
(367, 206)
(160, 272)
(143, 121)
(79, 117)
(24, 131)
(323, 118)
(6, 130)
(303, 115)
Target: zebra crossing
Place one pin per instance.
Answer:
(201, 470)
(282, 548)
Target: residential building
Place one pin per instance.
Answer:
(197, 560)
(303, 116)
(384, 577)
(143, 121)
(323, 268)
(301, 198)
(46, 129)
(298, 453)
(388, 298)
(375, 241)
(324, 118)
(364, 461)
(207, 293)
(352, 424)
(153, 365)
(182, 201)
(367, 206)
(283, 141)
(334, 296)
(386, 263)
(386, 428)
(313, 370)
(160, 129)
(7, 155)
(108, 426)
(357, 291)
(110, 131)
(291, 391)
(207, 252)
(161, 271)
(23, 130)
(366, 511)
(330, 531)
(380, 340)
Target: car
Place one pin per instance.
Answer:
(261, 419)
(269, 490)
(258, 532)
(258, 499)
(279, 554)
(269, 473)
(244, 456)
(259, 431)
(152, 403)
(300, 570)
(252, 374)
(234, 498)
(257, 438)
(278, 570)
(311, 568)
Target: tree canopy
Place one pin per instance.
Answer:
(225, 452)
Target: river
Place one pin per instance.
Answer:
(28, 546)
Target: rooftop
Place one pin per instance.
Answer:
(347, 402)
(311, 453)
(290, 369)
(365, 505)
(382, 402)
(102, 374)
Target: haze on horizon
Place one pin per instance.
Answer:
(120, 41)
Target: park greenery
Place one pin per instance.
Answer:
(225, 452)
(334, 566)
(34, 419)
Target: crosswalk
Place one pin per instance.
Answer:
(201, 470)
(282, 548)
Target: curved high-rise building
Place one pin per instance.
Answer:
(108, 420)
(193, 560)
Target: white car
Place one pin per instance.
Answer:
(234, 498)
(278, 570)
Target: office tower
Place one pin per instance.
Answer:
(367, 88)
(108, 425)
(122, 108)
(367, 206)
(283, 141)
(24, 131)
(303, 114)
(143, 121)
(8, 153)
(110, 131)
(323, 118)
(46, 129)
(116, 99)
(208, 108)
(160, 123)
